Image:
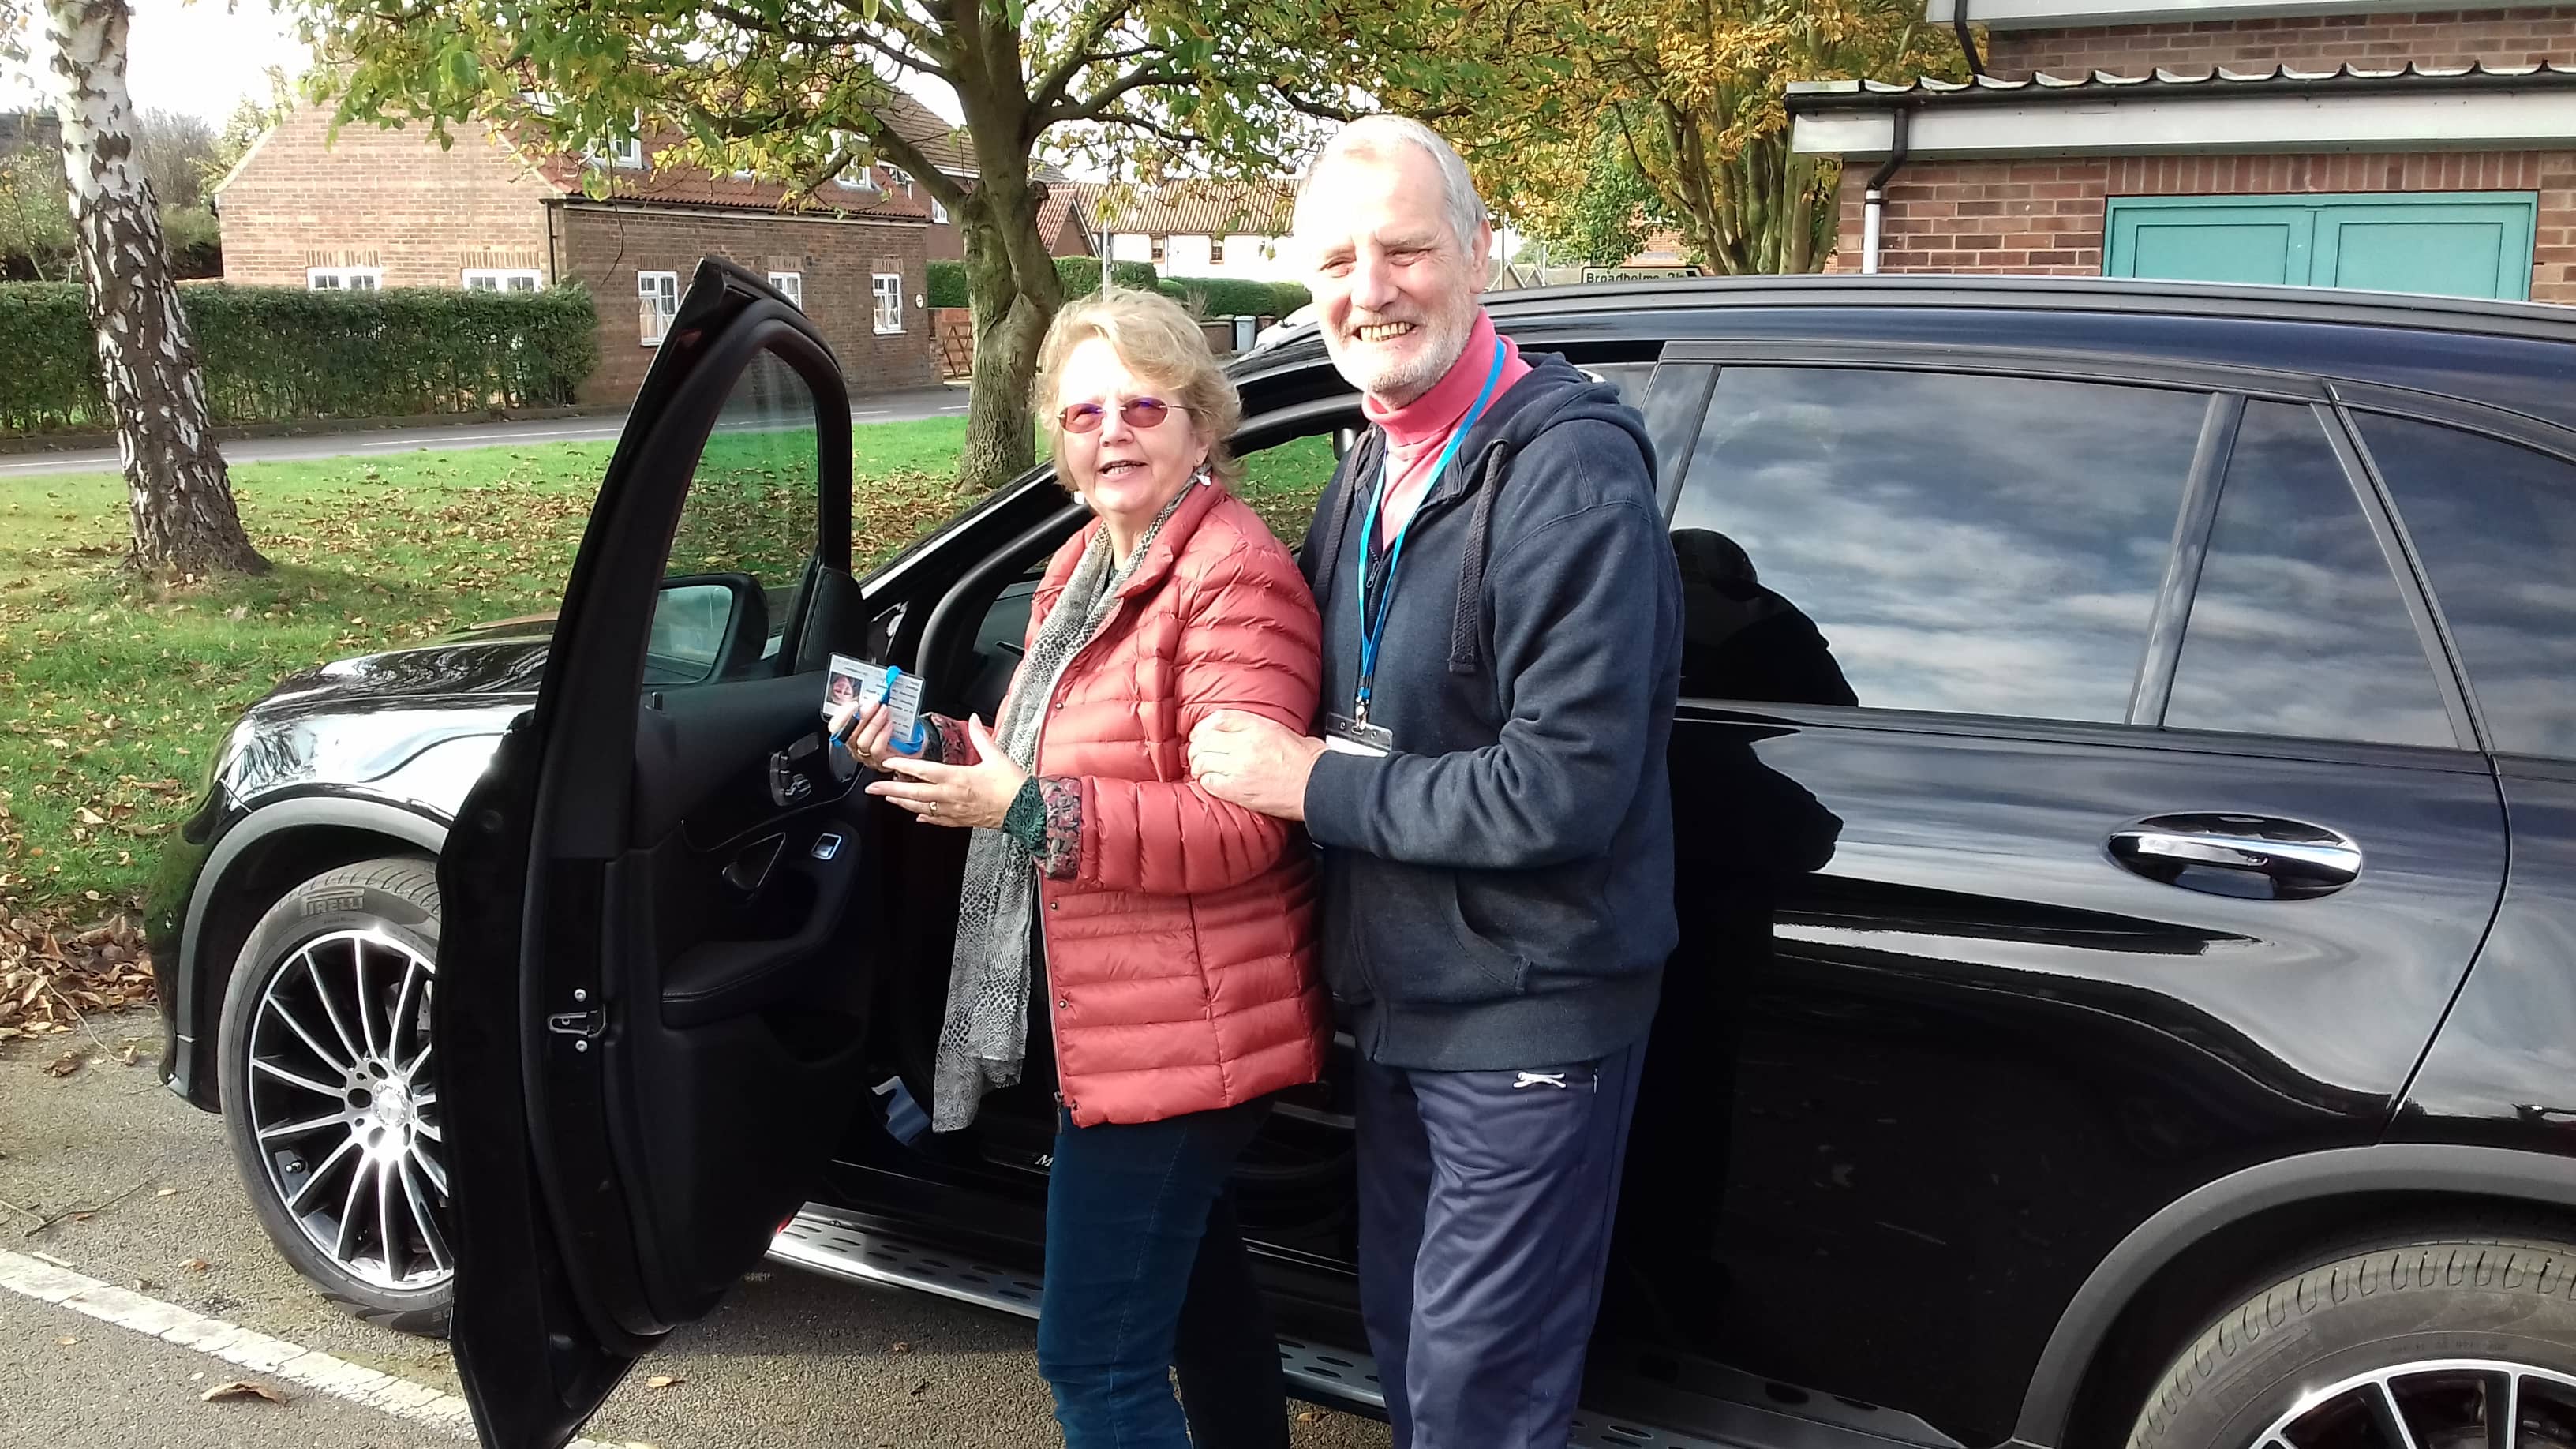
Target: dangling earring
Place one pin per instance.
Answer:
(1203, 477)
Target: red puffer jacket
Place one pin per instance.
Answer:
(1181, 959)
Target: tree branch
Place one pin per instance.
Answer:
(821, 40)
(1078, 56)
(1094, 108)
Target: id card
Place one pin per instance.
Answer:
(1346, 735)
(856, 679)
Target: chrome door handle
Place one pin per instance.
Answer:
(2239, 855)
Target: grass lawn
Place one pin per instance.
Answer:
(114, 690)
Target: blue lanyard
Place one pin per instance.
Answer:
(1373, 631)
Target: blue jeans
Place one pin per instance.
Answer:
(1485, 1207)
(1146, 1276)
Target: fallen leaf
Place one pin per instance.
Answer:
(64, 1065)
(242, 1389)
(67, 1340)
(903, 1348)
(664, 1381)
(167, 1192)
(1310, 1416)
(917, 1388)
(194, 1265)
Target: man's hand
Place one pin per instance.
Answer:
(1253, 762)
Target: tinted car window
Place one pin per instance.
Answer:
(2495, 526)
(2298, 627)
(1989, 545)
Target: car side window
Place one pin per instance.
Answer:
(745, 533)
(1928, 541)
(2494, 524)
(2298, 627)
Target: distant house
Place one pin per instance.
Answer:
(391, 209)
(29, 131)
(1196, 228)
(947, 147)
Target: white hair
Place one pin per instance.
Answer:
(1374, 135)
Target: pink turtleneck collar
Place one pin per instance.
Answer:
(1417, 431)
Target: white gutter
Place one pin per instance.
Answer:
(2159, 122)
(2045, 14)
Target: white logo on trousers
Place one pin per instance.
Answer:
(1541, 1079)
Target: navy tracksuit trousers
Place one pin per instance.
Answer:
(1486, 1200)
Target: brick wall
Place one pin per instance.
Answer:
(605, 246)
(2046, 216)
(2308, 42)
(378, 198)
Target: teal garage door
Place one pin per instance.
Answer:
(2459, 244)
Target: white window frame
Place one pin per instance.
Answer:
(627, 154)
(938, 213)
(663, 289)
(500, 279)
(344, 279)
(884, 293)
(791, 283)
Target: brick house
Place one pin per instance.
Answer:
(2375, 145)
(1196, 228)
(382, 208)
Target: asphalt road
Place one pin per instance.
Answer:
(790, 1360)
(883, 408)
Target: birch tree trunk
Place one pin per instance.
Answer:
(179, 494)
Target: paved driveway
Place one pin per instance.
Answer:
(789, 1362)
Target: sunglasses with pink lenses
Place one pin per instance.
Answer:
(1137, 412)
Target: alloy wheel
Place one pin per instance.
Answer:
(2434, 1404)
(344, 1107)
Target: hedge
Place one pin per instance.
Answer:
(280, 354)
(1238, 297)
(1080, 275)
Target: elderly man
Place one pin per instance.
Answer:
(1502, 622)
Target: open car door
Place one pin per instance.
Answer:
(653, 985)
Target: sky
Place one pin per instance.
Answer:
(199, 57)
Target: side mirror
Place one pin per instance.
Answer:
(705, 626)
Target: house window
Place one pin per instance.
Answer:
(889, 289)
(343, 279)
(1216, 251)
(628, 153)
(1154, 251)
(938, 213)
(657, 300)
(503, 279)
(900, 177)
(791, 285)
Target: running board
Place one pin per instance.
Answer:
(822, 1241)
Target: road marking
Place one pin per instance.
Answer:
(273, 1357)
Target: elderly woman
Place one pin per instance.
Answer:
(1175, 930)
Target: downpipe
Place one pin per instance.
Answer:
(1874, 197)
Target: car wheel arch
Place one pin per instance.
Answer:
(251, 868)
(2154, 1292)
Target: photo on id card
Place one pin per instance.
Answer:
(856, 679)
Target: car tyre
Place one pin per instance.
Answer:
(2441, 1335)
(330, 1105)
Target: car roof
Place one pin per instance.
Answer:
(2095, 294)
(2518, 356)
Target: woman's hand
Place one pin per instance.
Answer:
(870, 741)
(975, 796)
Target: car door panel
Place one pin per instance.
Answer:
(1971, 1047)
(655, 978)
(1974, 1051)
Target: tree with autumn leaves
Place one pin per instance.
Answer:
(801, 90)
(1670, 111)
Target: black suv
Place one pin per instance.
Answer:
(2126, 778)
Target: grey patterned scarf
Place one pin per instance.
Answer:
(986, 1034)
